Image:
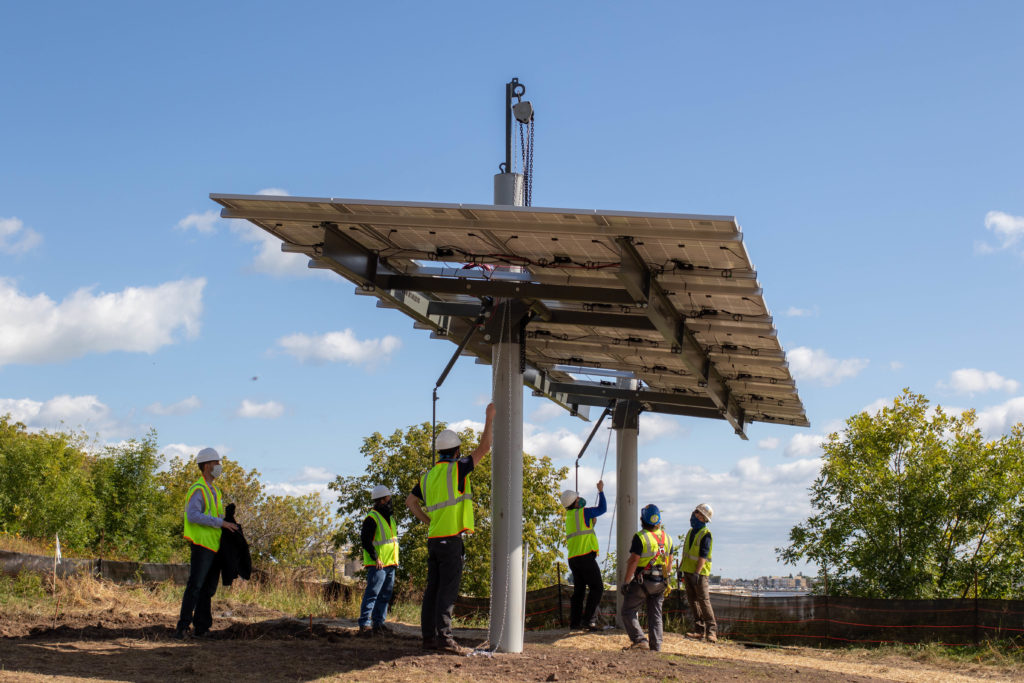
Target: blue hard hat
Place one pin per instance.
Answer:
(650, 515)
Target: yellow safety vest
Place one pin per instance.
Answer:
(385, 540)
(579, 533)
(213, 505)
(691, 550)
(657, 546)
(450, 513)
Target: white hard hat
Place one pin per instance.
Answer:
(568, 498)
(207, 455)
(705, 510)
(379, 492)
(447, 439)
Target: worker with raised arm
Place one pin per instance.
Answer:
(442, 499)
(694, 570)
(379, 538)
(582, 548)
(204, 520)
(646, 580)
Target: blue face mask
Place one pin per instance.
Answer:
(696, 523)
(582, 503)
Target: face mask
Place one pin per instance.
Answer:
(215, 472)
(583, 503)
(387, 508)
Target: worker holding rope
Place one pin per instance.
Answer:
(581, 540)
(443, 499)
(646, 580)
(694, 571)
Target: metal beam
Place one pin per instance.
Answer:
(640, 283)
(504, 289)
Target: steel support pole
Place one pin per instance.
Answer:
(506, 623)
(626, 425)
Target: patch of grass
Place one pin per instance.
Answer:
(1002, 654)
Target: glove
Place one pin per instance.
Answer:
(668, 589)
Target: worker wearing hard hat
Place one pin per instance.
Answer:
(204, 520)
(646, 580)
(694, 571)
(379, 538)
(581, 540)
(443, 499)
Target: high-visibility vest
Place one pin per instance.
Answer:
(657, 546)
(579, 533)
(691, 552)
(385, 541)
(450, 512)
(213, 505)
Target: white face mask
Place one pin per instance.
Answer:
(215, 472)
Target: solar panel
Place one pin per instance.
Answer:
(672, 298)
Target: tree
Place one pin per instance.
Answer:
(398, 461)
(914, 503)
(132, 515)
(45, 486)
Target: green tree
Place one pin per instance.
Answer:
(132, 516)
(293, 532)
(914, 503)
(45, 486)
(399, 460)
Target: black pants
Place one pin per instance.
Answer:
(585, 574)
(203, 572)
(444, 574)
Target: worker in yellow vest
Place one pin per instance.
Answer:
(646, 580)
(443, 499)
(379, 537)
(694, 571)
(582, 548)
(204, 519)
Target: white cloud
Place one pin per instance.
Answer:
(205, 222)
(1009, 229)
(973, 381)
(876, 405)
(654, 426)
(289, 489)
(314, 474)
(895, 365)
(15, 238)
(816, 364)
(274, 191)
(996, 420)
(804, 445)
(65, 410)
(560, 443)
(462, 425)
(182, 407)
(338, 347)
(264, 411)
(768, 444)
(35, 329)
(548, 410)
(794, 312)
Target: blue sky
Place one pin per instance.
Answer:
(871, 151)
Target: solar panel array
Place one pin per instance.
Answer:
(672, 298)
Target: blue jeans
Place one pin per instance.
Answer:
(380, 584)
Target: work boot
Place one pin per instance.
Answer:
(593, 626)
(365, 631)
(452, 647)
(382, 630)
(712, 638)
(181, 634)
(638, 645)
(696, 635)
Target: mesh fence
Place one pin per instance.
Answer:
(804, 620)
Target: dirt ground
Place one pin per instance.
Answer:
(259, 645)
